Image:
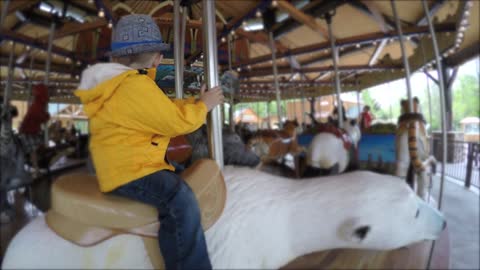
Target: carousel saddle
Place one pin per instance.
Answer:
(85, 216)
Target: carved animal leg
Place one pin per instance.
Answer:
(422, 178)
(430, 161)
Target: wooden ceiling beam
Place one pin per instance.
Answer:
(38, 65)
(434, 8)
(18, 5)
(262, 38)
(314, 9)
(235, 23)
(26, 40)
(73, 28)
(287, 70)
(350, 41)
(371, 10)
(303, 18)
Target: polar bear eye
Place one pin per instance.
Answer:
(361, 232)
(418, 213)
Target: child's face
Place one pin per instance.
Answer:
(157, 60)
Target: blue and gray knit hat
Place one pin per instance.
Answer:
(136, 34)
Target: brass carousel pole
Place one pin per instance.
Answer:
(178, 53)
(303, 108)
(338, 90)
(47, 72)
(229, 51)
(29, 92)
(8, 88)
(211, 69)
(275, 79)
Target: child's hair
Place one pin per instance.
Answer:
(136, 61)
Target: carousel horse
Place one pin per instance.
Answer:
(12, 160)
(413, 149)
(332, 149)
(251, 220)
(275, 144)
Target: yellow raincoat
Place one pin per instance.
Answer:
(131, 123)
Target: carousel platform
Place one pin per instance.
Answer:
(457, 247)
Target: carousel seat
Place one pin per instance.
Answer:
(84, 215)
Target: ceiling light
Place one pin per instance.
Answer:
(274, 3)
(101, 13)
(223, 39)
(110, 24)
(258, 14)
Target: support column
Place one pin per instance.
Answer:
(268, 115)
(359, 107)
(448, 77)
(8, 87)
(304, 122)
(29, 90)
(334, 49)
(211, 68)
(404, 55)
(441, 80)
(275, 79)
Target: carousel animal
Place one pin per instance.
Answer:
(413, 149)
(235, 152)
(275, 144)
(333, 149)
(266, 222)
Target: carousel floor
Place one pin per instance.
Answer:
(456, 249)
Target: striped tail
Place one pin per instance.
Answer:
(413, 148)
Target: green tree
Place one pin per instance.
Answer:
(466, 100)
(379, 111)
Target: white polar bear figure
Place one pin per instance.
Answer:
(267, 222)
(328, 151)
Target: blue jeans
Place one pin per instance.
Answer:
(180, 237)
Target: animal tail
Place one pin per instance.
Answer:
(417, 164)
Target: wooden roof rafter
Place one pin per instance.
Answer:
(288, 70)
(301, 17)
(350, 41)
(27, 40)
(235, 23)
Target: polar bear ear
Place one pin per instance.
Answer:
(354, 231)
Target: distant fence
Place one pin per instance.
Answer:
(463, 160)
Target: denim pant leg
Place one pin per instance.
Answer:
(181, 238)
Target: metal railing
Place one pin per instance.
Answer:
(463, 160)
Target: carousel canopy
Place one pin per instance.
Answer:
(364, 33)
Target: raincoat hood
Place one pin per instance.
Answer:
(100, 81)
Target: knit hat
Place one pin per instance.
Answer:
(136, 34)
